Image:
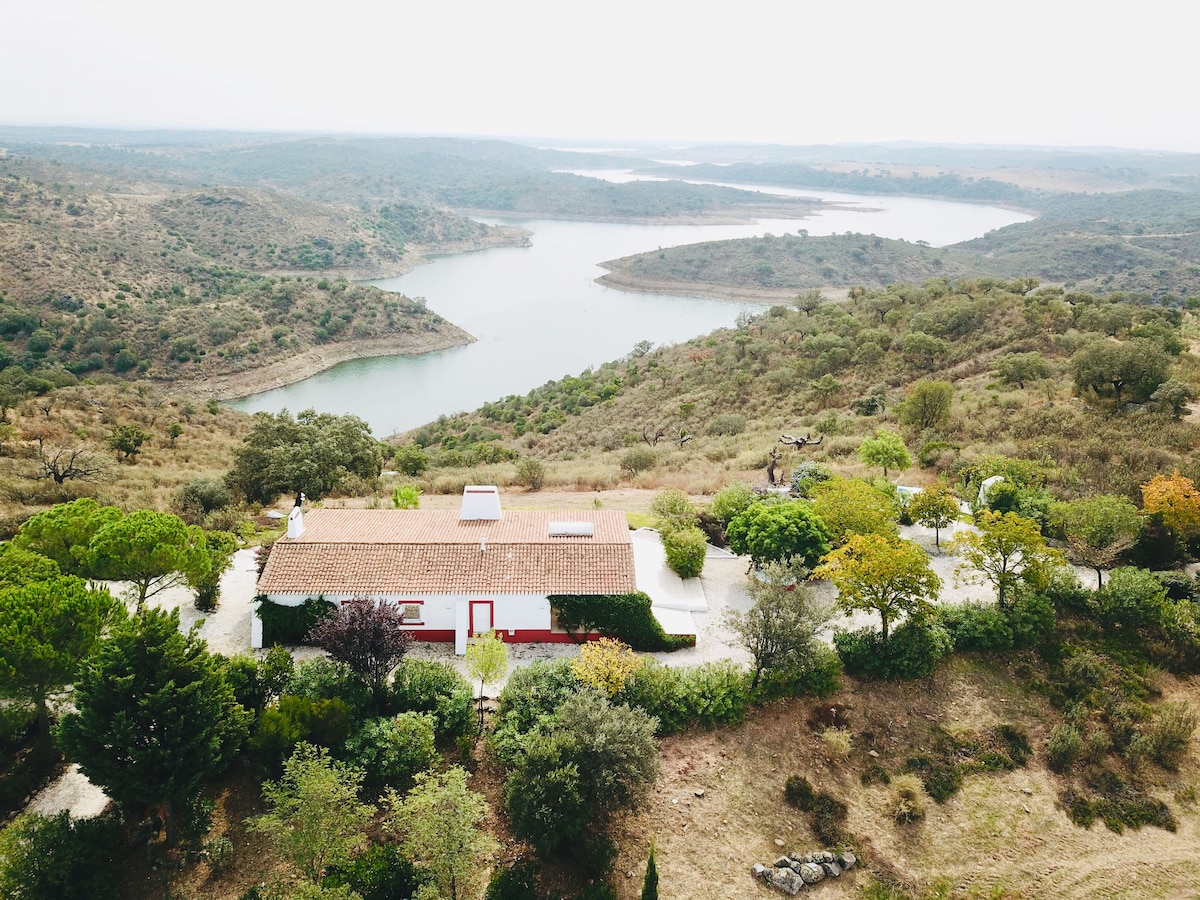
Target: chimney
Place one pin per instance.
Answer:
(483, 544)
(480, 503)
(295, 523)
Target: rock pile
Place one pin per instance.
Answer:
(792, 872)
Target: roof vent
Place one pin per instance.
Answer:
(572, 529)
(480, 502)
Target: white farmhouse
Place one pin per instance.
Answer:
(454, 574)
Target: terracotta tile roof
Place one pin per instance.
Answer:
(359, 551)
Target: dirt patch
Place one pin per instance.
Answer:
(1000, 833)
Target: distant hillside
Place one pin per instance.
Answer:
(467, 175)
(709, 410)
(186, 285)
(1145, 243)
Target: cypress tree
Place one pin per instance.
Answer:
(650, 885)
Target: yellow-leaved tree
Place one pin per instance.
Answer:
(606, 665)
(1174, 498)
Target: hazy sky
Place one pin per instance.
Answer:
(791, 71)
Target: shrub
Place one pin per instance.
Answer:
(976, 627)
(294, 719)
(410, 460)
(516, 882)
(716, 693)
(1031, 618)
(819, 675)
(406, 496)
(324, 679)
(1178, 585)
(729, 501)
(726, 424)
(1063, 748)
(48, 858)
(658, 690)
(808, 475)
(380, 873)
(838, 741)
(392, 750)
(827, 818)
(638, 459)
(624, 616)
(908, 799)
(1132, 598)
(1170, 733)
(531, 473)
(685, 550)
(531, 693)
(1064, 591)
(672, 511)
(291, 624)
(913, 651)
(798, 791)
(424, 686)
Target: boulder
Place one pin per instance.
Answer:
(783, 862)
(811, 873)
(832, 869)
(847, 860)
(823, 857)
(787, 880)
(758, 870)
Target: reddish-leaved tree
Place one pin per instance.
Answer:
(366, 636)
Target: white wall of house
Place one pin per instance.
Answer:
(518, 617)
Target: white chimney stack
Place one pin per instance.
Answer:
(295, 523)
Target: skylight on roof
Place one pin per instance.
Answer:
(572, 529)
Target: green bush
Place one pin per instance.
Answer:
(1178, 585)
(290, 624)
(818, 674)
(729, 501)
(1063, 748)
(392, 750)
(976, 627)
(1031, 618)
(294, 719)
(726, 424)
(716, 693)
(672, 511)
(516, 882)
(657, 689)
(532, 692)
(1065, 592)
(913, 651)
(380, 873)
(827, 816)
(1120, 804)
(325, 679)
(798, 791)
(531, 473)
(1132, 598)
(638, 459)
(627, 617)
(1170, 733)
(685, 550)
(49, 858)
(425, 686)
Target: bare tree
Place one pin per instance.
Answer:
(62, 464)
(652, 440)
(805, 441)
